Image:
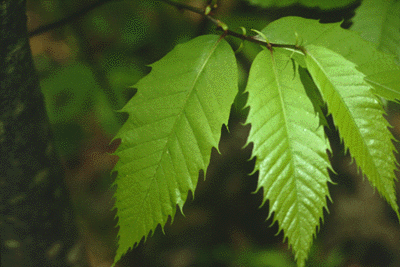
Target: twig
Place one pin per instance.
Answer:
(224, 27)
(61, 22)
(201, 11)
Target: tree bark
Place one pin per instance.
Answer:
(36, 219)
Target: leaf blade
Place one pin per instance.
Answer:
(379, 22)
(380, 69)
(174, 121)
(358, 115)
(294, 173)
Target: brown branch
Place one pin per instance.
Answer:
(222, 26)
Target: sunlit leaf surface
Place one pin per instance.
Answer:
(290, 148)
(380, 69)
(358, 115)
(378, 21)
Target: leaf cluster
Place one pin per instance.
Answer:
(176, 118)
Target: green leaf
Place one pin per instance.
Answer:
(322, 4)
(358, 115)
(290, 148)
(380, 69)
(314, 95)
(378, 21)
(174, 121)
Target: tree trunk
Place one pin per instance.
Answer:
(36, 221)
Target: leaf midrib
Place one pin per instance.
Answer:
(179, 116)
(382, 86)
(283, 106)
(321, 69)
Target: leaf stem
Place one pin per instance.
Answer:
(221, 25)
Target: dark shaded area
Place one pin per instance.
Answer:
(36, 220)
(325, 16)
